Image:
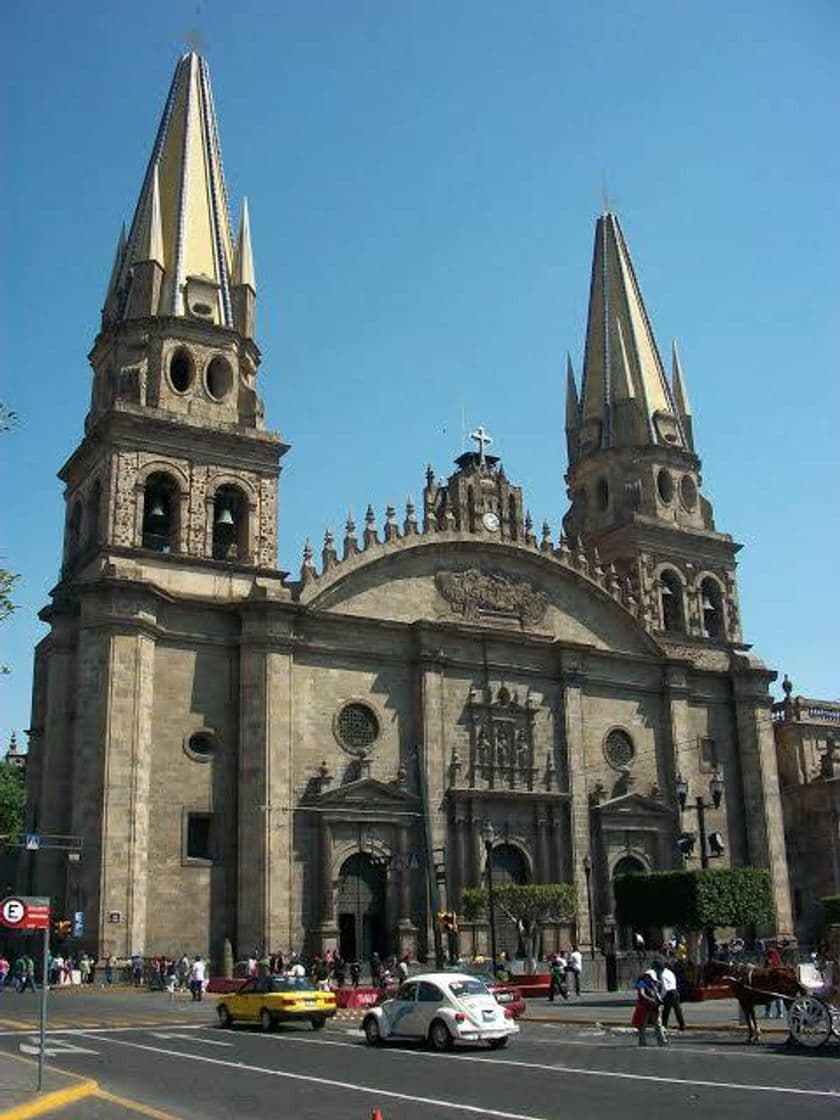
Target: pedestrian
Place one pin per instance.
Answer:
(110, 965)
(402, 969)
(355, 973)
(775, 1009)
(375, 969)
(28, 979)
(574, 966)
(198, 972)
(4, 971)
(648, 1009)
(557, 978)
(670, 994)
(137, 970)
(339, 971)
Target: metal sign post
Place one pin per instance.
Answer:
(30, 913)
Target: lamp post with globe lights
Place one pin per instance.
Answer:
(711, 844)
(488, 835)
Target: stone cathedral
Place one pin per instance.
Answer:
(311, 762)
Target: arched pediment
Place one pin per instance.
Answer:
(458, 579)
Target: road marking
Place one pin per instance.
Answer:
(53, 1051)
(134, 1106)
(194, 1038)
(465, 1057)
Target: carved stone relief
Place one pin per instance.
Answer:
(474, 593)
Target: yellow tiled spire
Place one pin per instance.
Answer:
(622, 362)
(182, 214)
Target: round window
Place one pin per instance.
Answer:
(618, 749)
(602, 491)
(357, 727)
(688, 491)
(219, 378)
(201, 745)
(665, 486)
(181, 370)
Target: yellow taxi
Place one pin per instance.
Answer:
(269, 1000)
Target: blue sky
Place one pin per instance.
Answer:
(423, 180)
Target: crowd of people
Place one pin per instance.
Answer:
(329, 971)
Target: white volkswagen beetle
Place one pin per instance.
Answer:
(442, 1008)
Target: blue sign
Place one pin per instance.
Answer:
(31, 841)
(78, 923)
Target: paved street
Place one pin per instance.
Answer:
(173, 1059)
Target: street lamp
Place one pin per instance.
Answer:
(587, 870)
(712, 845)
(488, 835)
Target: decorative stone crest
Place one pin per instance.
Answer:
(473, 593)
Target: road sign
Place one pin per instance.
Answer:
(31, 841)
(78, 923)
(25, 913)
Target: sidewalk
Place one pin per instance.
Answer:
(614, 1009)
(19, 1098)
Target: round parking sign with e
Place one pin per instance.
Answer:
(12, 911)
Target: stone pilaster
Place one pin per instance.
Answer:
(572, 679)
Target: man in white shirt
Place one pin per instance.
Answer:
(575, 967)
(670, 995)
(198, 973)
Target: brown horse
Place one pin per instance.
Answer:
(754, 986)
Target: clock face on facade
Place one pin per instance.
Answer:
(491, 522)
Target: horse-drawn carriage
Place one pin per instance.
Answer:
(812, 1019)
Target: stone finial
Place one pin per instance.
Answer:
(430, 477)
(530, 536)
(307, 568)
(429, 516)
(787, 686)
(629, 598)
(410, 523)
(392, 530)
(550, 771)
(581, 561)
(613, 582)
(351, 541)
(402, 775)
(564, 554)
(370, 538)
(595, 566)
(545, 543)
(323, 776)
(329, 557)
(450, 523)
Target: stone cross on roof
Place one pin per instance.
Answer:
(482, 439)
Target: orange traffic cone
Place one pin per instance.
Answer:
(376, 1114)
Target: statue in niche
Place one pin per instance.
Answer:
(481, 748)
(503, 746)
(522, 751)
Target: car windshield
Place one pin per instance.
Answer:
(291, 984)
(461, 988)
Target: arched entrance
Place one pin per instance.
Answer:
(627, 865)
(508, 865)
(362, 928)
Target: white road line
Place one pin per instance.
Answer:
(462, 1057)
(347, 1085)
(193, 1038)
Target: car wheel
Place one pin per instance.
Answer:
(497, 1043)
(439, 1036)
(373, 1035)
(225, 1017)
(318, 1024)
(266, 1021)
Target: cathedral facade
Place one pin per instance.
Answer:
(313, 762)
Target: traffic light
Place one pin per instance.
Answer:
(63, 927)
(685, 843)
(448, 921)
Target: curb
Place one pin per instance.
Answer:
(51, 1101)
(707, 1027)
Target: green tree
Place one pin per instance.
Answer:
(11, 799)
(701, 899)
(529, 907)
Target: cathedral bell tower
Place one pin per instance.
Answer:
(634, 476)
(175, 459)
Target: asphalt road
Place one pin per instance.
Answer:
(173, 1058)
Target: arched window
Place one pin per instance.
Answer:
(94, 504)
(671, 596)
(711, 609)
(230, 524)
(513, 524)
(74, 531)
(160, 513)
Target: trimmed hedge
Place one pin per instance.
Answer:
(695, 899)
(831, 909)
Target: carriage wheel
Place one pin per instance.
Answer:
(810, 1021)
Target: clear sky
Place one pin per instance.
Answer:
(423, 179)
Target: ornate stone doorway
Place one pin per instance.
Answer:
(508, 865)
(627, 865)
(361, 908)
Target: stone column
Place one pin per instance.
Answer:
(543, 852)
(325, 896)
(762, 811)
(404, 914)
(572, 681)
(677, 726)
